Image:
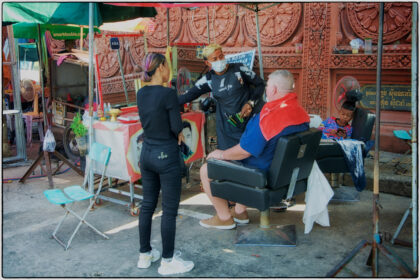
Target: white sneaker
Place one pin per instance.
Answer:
(177, 265)
(146, 259)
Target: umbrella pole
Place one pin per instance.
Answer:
(122, 75)
(44, 112)
(376, 237)
(208, 23)
(260, 58)
(377, 240)
(90, 181)
(167, 27)
(414, 84)
(81, 38)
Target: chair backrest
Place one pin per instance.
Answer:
(363, 122)
(100, 153)
(293, 158)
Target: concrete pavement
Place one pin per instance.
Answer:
(29, 251)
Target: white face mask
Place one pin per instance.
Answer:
(219, 65)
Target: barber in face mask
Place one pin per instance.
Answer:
(236, 89)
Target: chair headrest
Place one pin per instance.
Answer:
(363, 122)
(293, 151)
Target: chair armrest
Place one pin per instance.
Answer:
(235, 172)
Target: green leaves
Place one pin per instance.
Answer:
(77, 126)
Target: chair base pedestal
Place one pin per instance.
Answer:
(275, 235)
(345, 194)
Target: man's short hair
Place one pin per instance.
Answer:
(283, 79)
(208, 50)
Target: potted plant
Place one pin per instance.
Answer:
(80, 132)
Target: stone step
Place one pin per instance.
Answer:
(395, 173)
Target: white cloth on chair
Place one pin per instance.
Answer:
(317, 196)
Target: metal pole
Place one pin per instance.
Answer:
(81, 38)
(414, 84)
(122, 75)
(208, 23)
(17, 103)
(167, 27)
(260, 58)
(91, 15)
(44, 112)
(376, 159)
(41, 77)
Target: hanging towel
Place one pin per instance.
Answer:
(353, 156)
(317, 196)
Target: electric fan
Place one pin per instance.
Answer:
(344, 85)
(183, 80)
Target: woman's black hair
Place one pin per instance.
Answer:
(352, 97)
(150, 63)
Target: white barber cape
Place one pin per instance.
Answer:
(317, 196)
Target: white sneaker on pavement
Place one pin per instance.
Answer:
(146, 259)
(177, 265)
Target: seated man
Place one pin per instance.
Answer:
(281, 115)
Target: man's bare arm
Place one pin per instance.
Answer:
(234, 153)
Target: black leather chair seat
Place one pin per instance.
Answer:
(237, 173)
(259, 198)
(292, 163)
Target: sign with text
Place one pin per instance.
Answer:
(115, 43)
(246, 58)
(393, 97)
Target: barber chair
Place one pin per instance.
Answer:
(330, 156)
(287, 177)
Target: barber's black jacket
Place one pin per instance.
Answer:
(231, 90)
(159, 115)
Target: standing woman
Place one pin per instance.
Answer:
(160, 164)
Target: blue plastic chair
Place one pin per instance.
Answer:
(405, 136)
(100, 154)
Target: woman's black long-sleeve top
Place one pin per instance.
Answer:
(159, 114)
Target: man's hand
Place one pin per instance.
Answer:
(246, 111)
(216, 154)
(181, 138)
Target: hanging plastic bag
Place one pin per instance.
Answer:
(49, 141)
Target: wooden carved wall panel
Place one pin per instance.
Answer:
(364, 20)
(159, 37)
(282, 62)
(277, 23)
(389, 61)
(240, 36)
(136, 51)
(222, 21)
(107, 58)
(315, 53)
